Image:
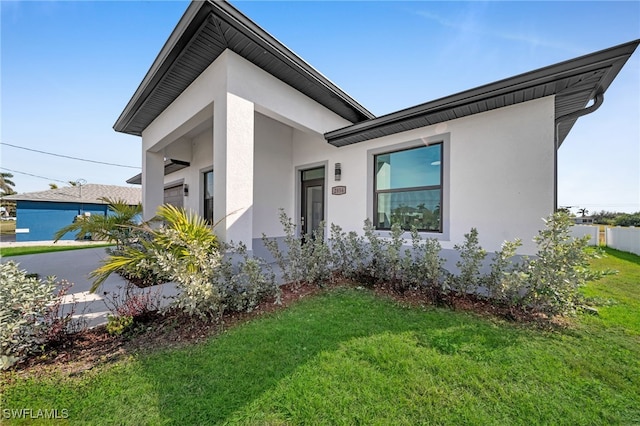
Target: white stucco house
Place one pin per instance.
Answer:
(235, 126)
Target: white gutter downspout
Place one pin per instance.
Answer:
(598, 99)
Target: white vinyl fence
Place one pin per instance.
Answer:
(579, 231)
(624, 239)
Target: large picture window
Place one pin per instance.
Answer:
(408, 188)
(208, 196)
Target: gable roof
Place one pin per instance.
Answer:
(574, 83)
(205, 31)
(209, 28)
(87, 194)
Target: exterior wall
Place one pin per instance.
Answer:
(200, 155)
(274, 177)
(226, 98)
(40, 220)
(498, 166)
(498, 171)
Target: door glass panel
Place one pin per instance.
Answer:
(208, 197)
(313, 174)
(313, 209)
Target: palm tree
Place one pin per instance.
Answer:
(583, 212)
(6, 184)
(112, 227)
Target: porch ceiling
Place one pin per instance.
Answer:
(203, 33)
(574, 83)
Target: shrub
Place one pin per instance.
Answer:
(560, 268)
(183, 249)
(117, 325)
(627, 219)
(506, 281)
(24, 304)
(471, 256)
(305, 259)
(422, 265)
(247, 283)
(186, 251)
(382, 255)
(348, 253)
(141, 274)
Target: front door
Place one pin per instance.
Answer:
(312, 209)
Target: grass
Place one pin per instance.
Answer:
(350, 357)
(617, 296)
(19, 251)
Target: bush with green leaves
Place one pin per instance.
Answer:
(560, 268)
(184, 249)
(24, 307)
(468, 278)
(247, 282)
(422, 266)
(348, 254)
(627, 219)
(119, 324)
(305, 259)
(505, 283)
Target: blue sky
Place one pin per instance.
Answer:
(69, 68)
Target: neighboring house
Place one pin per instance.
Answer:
(257, 129)
(41, 214)
(583, 220)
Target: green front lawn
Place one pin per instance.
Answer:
(18, 251)
(350, 357)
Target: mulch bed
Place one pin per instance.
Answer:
(84, 350)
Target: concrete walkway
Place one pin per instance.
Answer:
(75, 266)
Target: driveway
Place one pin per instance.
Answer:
(75, 266)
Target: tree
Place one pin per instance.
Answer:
(627, 219)
(53, 186)
(6, 184)
(583, 212)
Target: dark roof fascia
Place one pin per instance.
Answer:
(614, 57)
(187, 28)
(178, 39)
(267, 41)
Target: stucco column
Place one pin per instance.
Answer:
(233, 138)
(152, 183)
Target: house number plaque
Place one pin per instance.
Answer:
(339, 190)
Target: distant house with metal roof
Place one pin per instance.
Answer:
(41, 214)
(253, 128)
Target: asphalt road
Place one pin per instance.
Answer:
(74, 266)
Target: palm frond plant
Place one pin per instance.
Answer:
(177, 245)
(115, 226)
(180, 246)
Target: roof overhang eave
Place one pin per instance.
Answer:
(614, 58)
(191, 22)
(169, 47)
